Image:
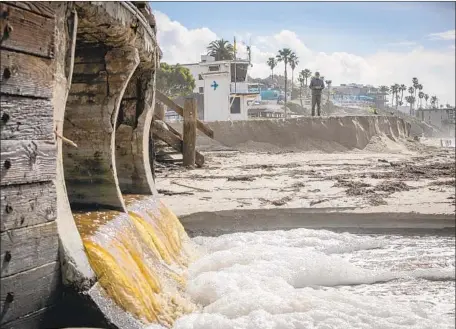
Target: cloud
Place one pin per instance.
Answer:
(402, 44)
(179, 44)
(447, 35)
(434, 68)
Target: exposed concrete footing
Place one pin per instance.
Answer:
(342, 220)
(99, 80)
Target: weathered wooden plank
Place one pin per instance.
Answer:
(38, 319)
(29, 291)
(158, 115)
(159, 111)
(31, 33)
(160, 132)
(27, 161)
(41, 8)
(28, 247)
(174, 131)
(25, 75)
(27, 205)
(189, 133)
(179, 110)
(26, 118)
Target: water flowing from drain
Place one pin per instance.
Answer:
(140, 259)
(282, 279)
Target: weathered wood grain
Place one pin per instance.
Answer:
(160, 132)
(43, 318)
(189, 133)
(159, 111)
(25, 75)
(28, 247)
(31, 33)
(41, 8)
(38, 319)
(26, 118)
(175, 132)
(29, 291)
(179, 110)
(27, 161)
(27, 205)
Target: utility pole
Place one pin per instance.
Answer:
(235, 71)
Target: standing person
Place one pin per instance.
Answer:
(316, 85)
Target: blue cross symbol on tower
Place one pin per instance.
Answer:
(214, 85)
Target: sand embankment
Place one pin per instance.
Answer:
(326, 134)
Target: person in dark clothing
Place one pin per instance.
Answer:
(316, 85)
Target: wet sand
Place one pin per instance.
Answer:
(397, 187)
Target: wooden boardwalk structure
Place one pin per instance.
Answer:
(31, 280)
(77, 87)
(185, 143)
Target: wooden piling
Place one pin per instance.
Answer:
(159, 111)
(189, 132)
(167, 134)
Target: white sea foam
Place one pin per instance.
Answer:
(301, 279)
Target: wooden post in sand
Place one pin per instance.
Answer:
(159, 112)
(189, 132)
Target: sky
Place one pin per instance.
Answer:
(378, 43)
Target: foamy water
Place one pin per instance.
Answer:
(319, 279)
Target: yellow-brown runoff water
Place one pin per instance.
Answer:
(140, 259)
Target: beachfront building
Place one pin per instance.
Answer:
(358, 95)
(266, 110)
(443, 118)
(227, 95)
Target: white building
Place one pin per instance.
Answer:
(227, 94)
(443, 118)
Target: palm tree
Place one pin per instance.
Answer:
(434, 101)
(411, 91)
(294, 61)
(419, 87)
(272, 63)
(394, 90)
(306, 74)
(421, 96)
(301, 80)
(426, 97)
(402, 88)
(221, 50)
(415, 84)
(411, 100)
(284, 56)
(392, 95)
(384, 90)
(328, 83)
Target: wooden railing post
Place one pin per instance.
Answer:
(189, 132)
